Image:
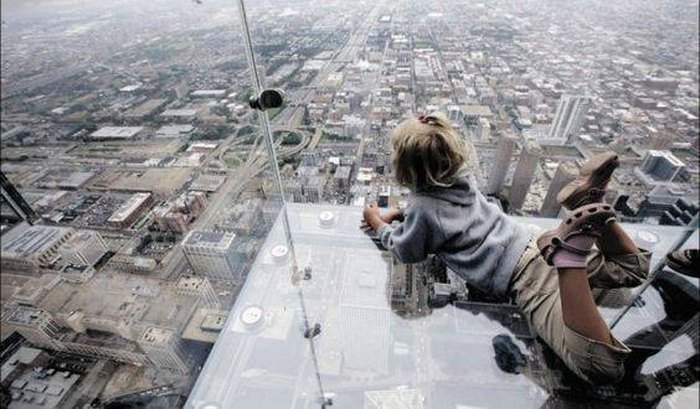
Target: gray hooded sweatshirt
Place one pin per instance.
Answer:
(473, 237)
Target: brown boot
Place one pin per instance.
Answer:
(587, 220)
(589, 186)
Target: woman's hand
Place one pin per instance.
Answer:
(373, 220)
(392, 214)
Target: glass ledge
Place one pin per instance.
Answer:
(378, 343)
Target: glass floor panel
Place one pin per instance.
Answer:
(381, 341)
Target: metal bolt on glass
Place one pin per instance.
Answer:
(307, 273)
(312, 331)
(268, 98)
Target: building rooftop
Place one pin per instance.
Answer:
(200, 238)
(26, 315)
(129, 298)
(116, 132)
(129, 207)
(24, 355)
(33, 289)
(208, 183)
(39, 389)
(156, 336)
(673, 160)
(179, 112)
(25, 240)
(157, 181)
(367, 352)
(476, 110)
(190, 282)
(205, 325)
(171, 131)
(209, 93)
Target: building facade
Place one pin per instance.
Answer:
(127, 214)
(565, 173)
(33, 247)
(212, 254)
(86, 248)
(659, 166)
(164, 349)
(199, 287)
(568, 120)
(499, 169)
(524, 174)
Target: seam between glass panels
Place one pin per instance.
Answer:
(272, 162)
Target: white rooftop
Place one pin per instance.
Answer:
(120, 132)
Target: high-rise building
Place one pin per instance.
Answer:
(341, 179)
(127, 214)
(524, 174)
(107, 349)
(568, 119)
(309, 158)
(659, 166)
(17, 203)
(37, 326)
(294, 191)
(670, 203)
(313, 189)
(384, 194)
(211, 254)
(33, 247)
(176, 215)
(483, 130)
(565, 173)
(305, 189)
(164, 348)
(499, 169)
(42, 329)
(86, 248)
(200, 287)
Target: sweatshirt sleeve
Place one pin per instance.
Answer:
(413, 240)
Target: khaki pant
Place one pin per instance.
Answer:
(535, 287)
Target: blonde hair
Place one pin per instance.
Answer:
(427, 151)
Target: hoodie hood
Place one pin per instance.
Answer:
(461, 192)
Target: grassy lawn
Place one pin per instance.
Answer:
(273, 112)
(232, 161)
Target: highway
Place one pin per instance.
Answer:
(302, 96)
(288, 119)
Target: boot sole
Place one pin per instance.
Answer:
(595, 173)
(590, 219)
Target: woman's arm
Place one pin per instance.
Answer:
(392, 214)
(371, 218)
(413, 240)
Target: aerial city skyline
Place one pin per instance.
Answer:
(137, 191)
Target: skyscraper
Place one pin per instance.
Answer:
(566, 172)
(483, 130)
(37, 326)
(568, 119)
(524, 173)
(9, 194)
(199, 287)
(85, 248)
(504, 152)
(659, 166)
(211, 254)
(164, 348)
(27, 247)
